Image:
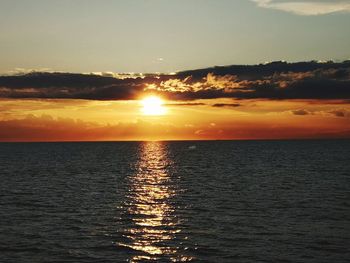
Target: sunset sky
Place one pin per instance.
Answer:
(81, 70)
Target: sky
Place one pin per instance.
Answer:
(167, 36)
(81, 70)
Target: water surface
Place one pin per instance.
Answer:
(220, 201)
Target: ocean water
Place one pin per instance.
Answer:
(219, 201)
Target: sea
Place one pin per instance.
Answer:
(181, 201)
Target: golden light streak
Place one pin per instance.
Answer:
(155, 222)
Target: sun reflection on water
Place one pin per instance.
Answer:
(149, 205)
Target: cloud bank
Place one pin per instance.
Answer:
(306, 7)
(48, 128)
(275, 81)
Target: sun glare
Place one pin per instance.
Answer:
(152, 106)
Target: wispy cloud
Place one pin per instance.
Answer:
(301, 112)
(306, 7)
(342, 113)
(220, 105)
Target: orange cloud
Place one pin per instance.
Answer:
(48, 128)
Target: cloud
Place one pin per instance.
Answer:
(49, 128)
(306, 7)
(219, 105)
(69, 85)
(275, 81)
(343, 113)
(301, 112)
(340, 113)
(185, 104)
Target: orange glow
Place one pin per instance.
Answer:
(84, 120)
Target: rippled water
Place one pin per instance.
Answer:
(248, 201)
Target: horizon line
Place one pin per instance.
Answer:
(183, 140)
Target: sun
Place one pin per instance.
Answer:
(152, 106)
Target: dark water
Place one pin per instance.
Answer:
(253, 201)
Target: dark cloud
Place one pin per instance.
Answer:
(301, 112)
(248, 72)
(340, 113)
(276, 80)
(70, 86)
(186, 104)
(218, 105)
(343, 113)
